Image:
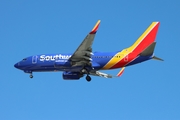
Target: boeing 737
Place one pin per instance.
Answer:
(85, 62)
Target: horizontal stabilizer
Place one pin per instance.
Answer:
(156, 58)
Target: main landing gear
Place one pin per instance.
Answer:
(85, 71)
(88, 78)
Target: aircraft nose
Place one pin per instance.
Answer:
(16, 65)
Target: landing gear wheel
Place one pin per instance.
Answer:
(88, 78)
(31, 76)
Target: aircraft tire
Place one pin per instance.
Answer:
(88, 78)
(31, 76)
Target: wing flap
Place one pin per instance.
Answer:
(101, 74)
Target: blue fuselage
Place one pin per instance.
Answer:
(60, 62)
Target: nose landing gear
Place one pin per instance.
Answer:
(88, 78)
(31, 76)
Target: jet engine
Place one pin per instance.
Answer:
(71, 75)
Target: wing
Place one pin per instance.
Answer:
(97, 73)
(82, 56)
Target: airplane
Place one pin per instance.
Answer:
(85, 62)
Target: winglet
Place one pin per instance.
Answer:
(94, 30)
(120, 72)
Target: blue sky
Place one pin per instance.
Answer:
(147, 91)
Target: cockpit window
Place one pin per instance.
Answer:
(24, 59)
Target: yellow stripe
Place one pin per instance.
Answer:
(96, 24)
(142, 36)
(115, 59)
(126, 51)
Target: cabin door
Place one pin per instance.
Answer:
(34, 59)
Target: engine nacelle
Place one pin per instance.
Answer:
(71, 75)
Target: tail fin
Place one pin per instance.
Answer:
(149, 50)
(147, 39)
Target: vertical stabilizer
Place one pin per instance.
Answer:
(146, 39)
